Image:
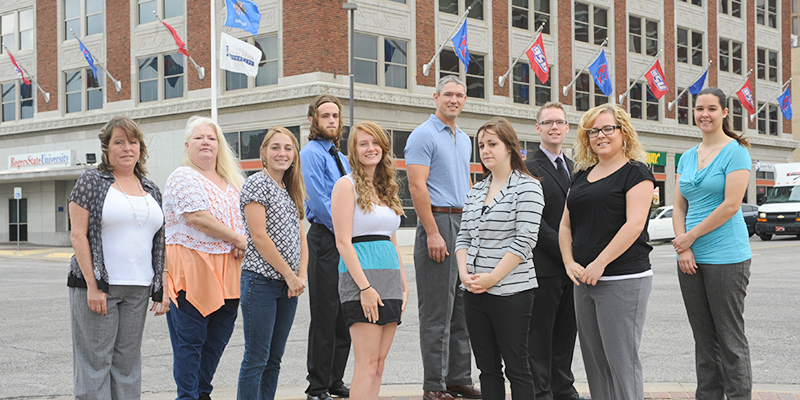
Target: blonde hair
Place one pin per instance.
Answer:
(293, 177)
(227, 165)
(585, 157)
(383, 179)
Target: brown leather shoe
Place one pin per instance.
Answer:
(465, 391)
(436, 395)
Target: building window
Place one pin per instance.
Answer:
(161, 77)
(14, 105)
(84, 17)
(522, 86)
(731, 7)
(18, 222)
(76, 91)
(694, 2)
(643, 108)
(768, 119)
(16, 30)
(521, 14)
(474, 77)
(689, 40)
(767, 13)
(247, 144)
(590, 32)
(167, 8)
(730, 56)
(457, 7)
(736, 113)
(587, 93)
(642, 31)
(268, 70)
(392, 72)
(686, 108)
(767, 65)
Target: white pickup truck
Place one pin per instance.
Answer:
(780, 214)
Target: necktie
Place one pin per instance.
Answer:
(562, 172)
(335, 155)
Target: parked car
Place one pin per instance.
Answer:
(660, 225)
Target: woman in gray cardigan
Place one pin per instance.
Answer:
(494, 249)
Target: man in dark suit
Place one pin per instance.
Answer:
(553, 328)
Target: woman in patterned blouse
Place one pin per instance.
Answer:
(118, 237)
(274, 266)
(205, 245)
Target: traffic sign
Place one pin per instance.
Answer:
(17, 193)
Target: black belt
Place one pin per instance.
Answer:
(370, 238)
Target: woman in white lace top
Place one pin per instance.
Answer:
(205, 244)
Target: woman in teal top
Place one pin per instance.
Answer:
(714, 250)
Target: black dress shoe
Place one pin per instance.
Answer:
(321, 396)
(340, 391)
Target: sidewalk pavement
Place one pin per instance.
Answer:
(653, 390)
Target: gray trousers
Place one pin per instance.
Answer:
(443, 336)
(714, 300)
(106, 350)
(610, 318)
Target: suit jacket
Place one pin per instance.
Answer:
(547, 254)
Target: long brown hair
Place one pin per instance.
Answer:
(506, 133)
(315, 132)
(633, 149)
(726, 124)
(131, 130)
(383, 179)
(293, 177)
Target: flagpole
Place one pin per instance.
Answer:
(201, 72)
(672, 103)
(753, 116)
(427, 67)
(30, 77)
(565, 89)
(624, 95)
(502, 79)
(746, 77)
(214, 110)
(117, 83)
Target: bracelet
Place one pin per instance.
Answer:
(166, 270)
(361, 290)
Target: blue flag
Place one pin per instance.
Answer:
(599, 70)
(88, 57)
(243, 14)
(460, 44)
(785, 100)
(698, 85)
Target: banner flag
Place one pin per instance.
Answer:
(88, 56)
(460, 45)
(745, 95)
(538, 60)
(655, 78)
(599, 70)
(785, 100)
(238, 56)
(18, 69)
(178, 41)
(243, 14)
(698, 85)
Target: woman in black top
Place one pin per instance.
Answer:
(605, 222)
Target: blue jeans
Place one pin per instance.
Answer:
(267, 315)
(197, 344)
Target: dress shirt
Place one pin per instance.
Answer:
(320, 173)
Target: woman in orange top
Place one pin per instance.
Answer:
(205, 245)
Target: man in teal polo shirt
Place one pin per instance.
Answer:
(437, 156)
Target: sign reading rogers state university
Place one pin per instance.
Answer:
(59, 158)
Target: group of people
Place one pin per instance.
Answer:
(511, 268)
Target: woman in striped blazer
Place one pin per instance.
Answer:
(499, 228)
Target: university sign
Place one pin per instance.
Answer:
(60, 158)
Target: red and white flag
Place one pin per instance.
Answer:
(539, 60)
(655, 77)
(178, 41)
(745, 95)
(19, 70)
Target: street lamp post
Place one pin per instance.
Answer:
(352, 7)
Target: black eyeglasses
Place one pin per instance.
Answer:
(559, 122)
(607, 130)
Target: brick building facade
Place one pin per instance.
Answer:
(305, 47)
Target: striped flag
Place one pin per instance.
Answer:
(18, 69)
